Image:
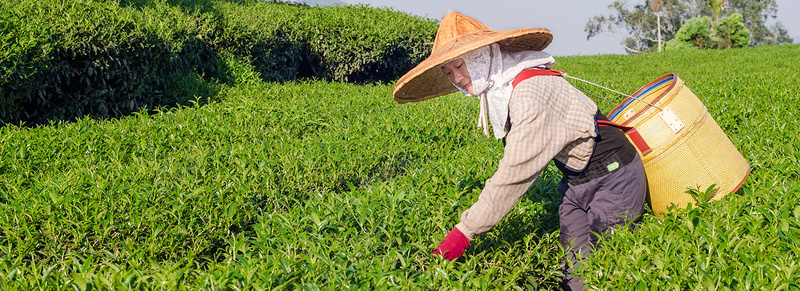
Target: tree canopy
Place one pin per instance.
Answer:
(703, 33)
(641, 23)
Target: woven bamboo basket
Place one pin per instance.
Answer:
(686, 146)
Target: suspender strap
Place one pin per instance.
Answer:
(635, 136)
(522, 76)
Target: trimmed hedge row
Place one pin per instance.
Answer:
(61, 60)
(94, 58)
(359, 43)
(356, 44)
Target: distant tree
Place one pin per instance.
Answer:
(695, 33)
(730, 32)
(755, 14)
(641, 24)
(702, 33)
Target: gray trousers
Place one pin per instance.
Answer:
(595, 208)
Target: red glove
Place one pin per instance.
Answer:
(453, 245)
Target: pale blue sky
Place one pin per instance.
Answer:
(566, 19)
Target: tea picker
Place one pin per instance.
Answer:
(542, 117)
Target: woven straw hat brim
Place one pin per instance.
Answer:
(427, 80)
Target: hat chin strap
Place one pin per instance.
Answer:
(483, 117)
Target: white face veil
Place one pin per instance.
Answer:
(492, 72)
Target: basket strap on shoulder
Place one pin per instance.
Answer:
(522, 76)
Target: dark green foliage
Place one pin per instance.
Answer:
(65, 59)
(99, 59)
(357, 44)
(363, 44)
(260, 33)
(323, 185)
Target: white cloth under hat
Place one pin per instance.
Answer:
(492, 73)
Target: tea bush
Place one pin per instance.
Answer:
(63, 60)
(259, 34)
(323, 185)
(357, 44)
(66, 59)
(363, 44)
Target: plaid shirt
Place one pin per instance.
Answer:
(550, 119)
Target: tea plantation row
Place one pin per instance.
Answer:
(61, 60)
(321, 185)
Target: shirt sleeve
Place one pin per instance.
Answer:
(536, 136)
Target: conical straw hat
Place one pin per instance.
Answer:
(459, 34)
